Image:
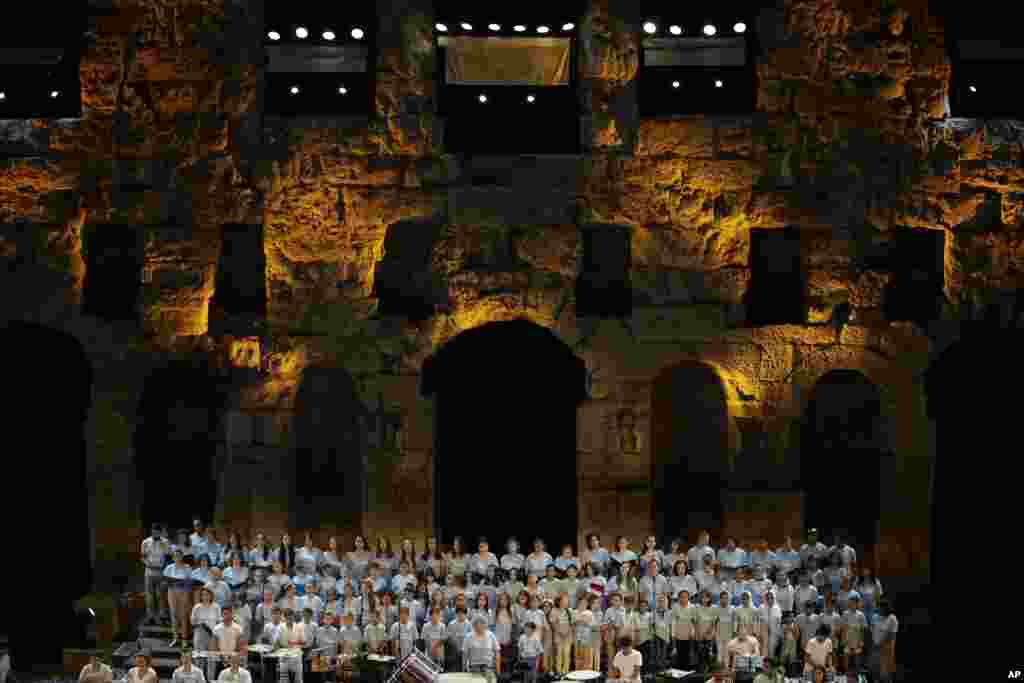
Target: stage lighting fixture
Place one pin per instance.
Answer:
(531, 99)
(675, 30)
(466, 26)
(343, 90)
(301, 32)
(675, 84)
(273, 35)
(441, 27)
(568, 27)
(739, 27)
(295, 90)
(650, 28)
(542, 29)
(718, 84)
(329, 35)
(972, 88)
(54, 94)
(709, 30)
(494, 27)
(358, 33)
(519, 28)
(3, 96)
(483, 99)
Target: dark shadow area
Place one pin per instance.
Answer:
(689, 443)
(603, 286)
(241, 284)
(46, 489)
(778, 291)
(330, 438)
(915, 291)
(404, 280)
(842, 429)
(113, 276)
(506, 398)
(179, 429)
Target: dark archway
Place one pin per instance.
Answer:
(505, 457)
(176, 442)
(49, 385)
(330, 446)
(842, 435)
(689, 449)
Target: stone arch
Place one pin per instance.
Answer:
(49, 384)
(690, 400)
(178, 440)
(329, 431)
(841, 427)
(510, 390)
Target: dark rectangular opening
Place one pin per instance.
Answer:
(603, 287)
(329, 68)
(523, 86)
(241, 283)
(777, 294)
(403, 280)
(916, 260)
(113, 276)
(686, 69)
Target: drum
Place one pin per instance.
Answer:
(418, 668)
(583, 675)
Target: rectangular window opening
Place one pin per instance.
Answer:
(603, 288)
(241, 282)
(113, 276)
(777, 293)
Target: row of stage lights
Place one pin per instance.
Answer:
(301, 32)
(54, 94)
(518, 28)
(709, 29)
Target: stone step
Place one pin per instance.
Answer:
(151, 631)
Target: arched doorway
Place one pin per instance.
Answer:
(330, 447)
(506, 395)
(176, 443)
(842, 441)
(689, 450)
(49, 385)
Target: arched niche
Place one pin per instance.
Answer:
(690, 447)
(841, 434)
(330, 440)
(180, 426)
(506, 395)
(49, 387)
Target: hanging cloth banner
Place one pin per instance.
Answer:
(508, 61)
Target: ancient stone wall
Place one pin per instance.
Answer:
(173, 143)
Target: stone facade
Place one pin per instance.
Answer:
(173, 143)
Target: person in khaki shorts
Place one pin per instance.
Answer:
(562, 632)
(155, 550)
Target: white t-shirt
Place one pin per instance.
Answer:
(227, 637)
(629, 664)
(817, 652)
(229, 676)
(194, 676)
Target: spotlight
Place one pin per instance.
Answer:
(54, 94)
(357, 33)
(739, 27)
(295, 90)
(483, 99)
(972, 88)
(568, 27)
(494, 27)
(273, 35)
(301, 32)
(675, 30)
(519, 28)
(441, 27)
(709, 30)
(342, 90)
(650, 27)
(329, 35)
(718, 84)
(542, 29)
(531, 99)
(675, 84)
(3, 96)
(466, 27)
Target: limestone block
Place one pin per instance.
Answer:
(689, 137)
(776, 361)
(666, 323)
(502, 206)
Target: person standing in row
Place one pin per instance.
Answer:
(179, 593)
(684, 630)
(481, 652)
(155, 552)
(204, 618)
(513, 560)
(95, 671)
(538, 561)
(186, 672)
(531, 649)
